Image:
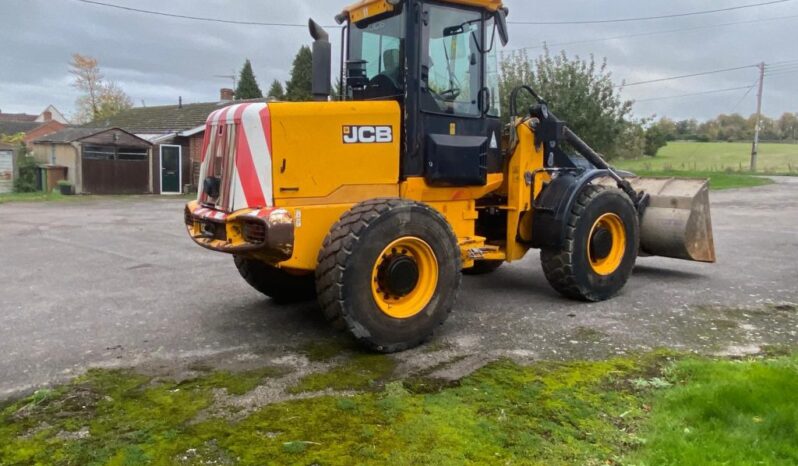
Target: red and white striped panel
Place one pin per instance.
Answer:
(247, 180)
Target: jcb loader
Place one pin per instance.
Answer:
(376, 203)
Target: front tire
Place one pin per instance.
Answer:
(600, 247)
(389, 272)
(283, 287)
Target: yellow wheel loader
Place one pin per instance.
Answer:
(378, 202)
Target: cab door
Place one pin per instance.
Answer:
(459, 130)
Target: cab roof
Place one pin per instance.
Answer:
(369, 8)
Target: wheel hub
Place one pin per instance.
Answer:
(606, 244)
(600, 244)
(398, 275)
(404, 277)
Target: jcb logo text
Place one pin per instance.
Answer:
(368, 134)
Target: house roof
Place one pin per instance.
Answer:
(4, 146)
(164, 119)
(17, 117)
(67, 135)
(14, 127)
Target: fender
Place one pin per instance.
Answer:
(552, 206)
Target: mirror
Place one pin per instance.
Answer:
(501, 24)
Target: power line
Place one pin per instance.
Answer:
(779, 73)
(194, 18)
(652, 33)
(279, 24)
(711, 91)
(750, 88)
(648, 18)
(671, 78)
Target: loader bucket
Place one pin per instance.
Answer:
(677, 222)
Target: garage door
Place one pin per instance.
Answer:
(6, 171)
(115, 170)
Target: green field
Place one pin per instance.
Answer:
(718, 157)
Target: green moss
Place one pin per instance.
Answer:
(550, 413)
(235, 383)
(360, 372)
(322, 351)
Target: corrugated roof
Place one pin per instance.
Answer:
(68, 135)
(164, 119)
(14, 127)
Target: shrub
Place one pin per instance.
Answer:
(26, 172)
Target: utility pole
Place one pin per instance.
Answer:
(755, 148)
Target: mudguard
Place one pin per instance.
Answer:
(552, 206)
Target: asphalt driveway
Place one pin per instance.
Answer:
(116, 282)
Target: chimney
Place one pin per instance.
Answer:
(226, 94)
(48, 115)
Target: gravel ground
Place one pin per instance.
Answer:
(116, 282)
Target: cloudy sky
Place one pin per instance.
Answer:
(156, 59)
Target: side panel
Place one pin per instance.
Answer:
(320, 147)
(327, 157)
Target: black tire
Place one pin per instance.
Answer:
(569, 270)
(483, 268)
(346, 263)
(281, 286)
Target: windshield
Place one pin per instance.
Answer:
(379, 48)
(452, 70)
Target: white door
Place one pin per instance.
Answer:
(6, 171)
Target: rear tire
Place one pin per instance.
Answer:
(275, 283)
(589, 266)
(389, 272)
(483, 268)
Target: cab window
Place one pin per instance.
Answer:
(452, 68)
(378, 47)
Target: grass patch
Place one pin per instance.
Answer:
(718, 157)
(717, 180)
(725, 412)
(645, 410)
(54, 196)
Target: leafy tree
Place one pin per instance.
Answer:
(788, 126)
(17, 138)
(276, 91)
(656, 138)
(299, 87)
(580, 92)
(247, 84)
(338, 89)
(112, 100)
(25, 182)
(686, 129)
(101, 98)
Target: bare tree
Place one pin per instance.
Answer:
(100, 98)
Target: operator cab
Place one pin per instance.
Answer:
(439, 61)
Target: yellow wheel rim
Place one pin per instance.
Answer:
(612, 225)
(408, 302)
